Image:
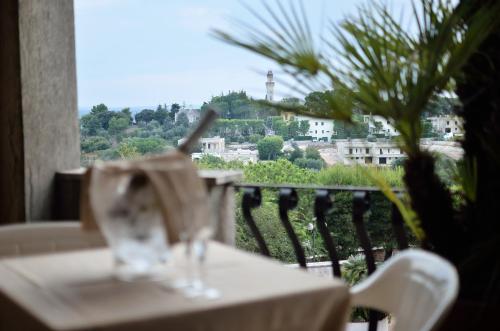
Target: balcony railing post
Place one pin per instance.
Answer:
(359, 207)
(398, 227)
(288, 200)
(252, 198)
(322, 205)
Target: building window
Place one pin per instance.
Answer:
(382, 160)
(447, 122)
(367, 150)
(350, 150)
(323, 131)
(316, 124)
(315, 131)
(381, 151)
(324, 123)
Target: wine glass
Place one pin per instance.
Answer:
(196, 241)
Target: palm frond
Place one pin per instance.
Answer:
(373, 63)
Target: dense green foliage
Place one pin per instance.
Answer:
(270, 147)
(339, 220)
(353, 272)
(109, 135)
(237, 105)
(237, 130)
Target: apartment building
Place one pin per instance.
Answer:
(382, 153)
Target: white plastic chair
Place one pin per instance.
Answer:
(416, 287)
(37, 238)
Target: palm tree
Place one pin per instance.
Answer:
(373, 64)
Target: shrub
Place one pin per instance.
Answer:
(309, 163)
(354, 271)
(254, 138)
(270, 147)
(93, 144)
(312, 153)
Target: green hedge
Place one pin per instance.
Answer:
(303, 138)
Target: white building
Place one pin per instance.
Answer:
(361, 151)
(450, 125)
(193, 115)
(213, 145)
(216, 146)
(319, 128)
(384, 126)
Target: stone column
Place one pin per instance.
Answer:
(41, 109)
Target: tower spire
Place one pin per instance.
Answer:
(269, 86)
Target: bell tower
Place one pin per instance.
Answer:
(269, 86)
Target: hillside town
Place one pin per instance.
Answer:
(250, 130)
(379, 147)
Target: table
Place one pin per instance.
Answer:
(76, 291)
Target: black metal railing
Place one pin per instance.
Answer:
(323, 204)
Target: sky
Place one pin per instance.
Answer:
(134, 53)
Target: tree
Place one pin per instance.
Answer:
(145, 115)
(93, 144)
(293, 129)
(146, 145)
(304, 128)
(440, 105)
(428, 130)
(312, 153)
(270, 148)
(127, 151)
(103, 115)
(254, 138)
(348, 130)
(383, 69)
(175, 133)
(309, 163)
(182, 120)
(296, 153)
(118, 125)
(161, 114)
(90, 124)
(99, 109)
(280, 127)
(318, 101)
(174, 109)
(168, 124)
(290, 101)
(125, 112)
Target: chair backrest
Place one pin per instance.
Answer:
(416, 287)
(37, 238)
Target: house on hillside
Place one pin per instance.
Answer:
(361, 151)
(320, 129)
(449, 125)
(379, 125)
